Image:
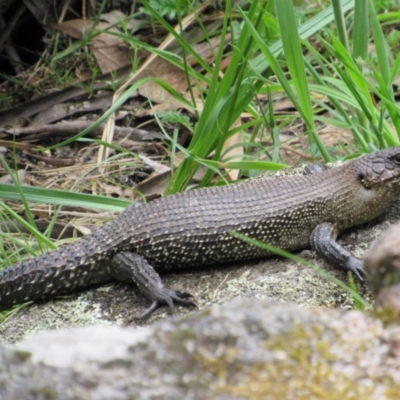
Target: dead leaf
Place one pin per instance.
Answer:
(158, 168)
(76, 28)
(332, 135)
(153, 186)
(110, 51)
(113, 18)
(170, 106)
(167, 72)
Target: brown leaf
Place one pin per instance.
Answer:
(173, 105)
(75, 28)
(114, 16)
(110, 51)
(169, 73)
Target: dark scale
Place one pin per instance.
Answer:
(192, 229)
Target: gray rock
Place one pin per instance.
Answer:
(245, 349)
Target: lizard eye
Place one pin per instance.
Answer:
(396, 159)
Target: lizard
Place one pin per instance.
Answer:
(194, 228)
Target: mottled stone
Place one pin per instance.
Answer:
(245, 349)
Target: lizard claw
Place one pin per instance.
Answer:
(356, 266)
(165, 296)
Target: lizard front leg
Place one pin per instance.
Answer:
(323, 241)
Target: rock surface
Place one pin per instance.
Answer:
(245, 349)
(382, 264)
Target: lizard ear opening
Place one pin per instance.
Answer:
(363, 181)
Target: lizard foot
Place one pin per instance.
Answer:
(169, 297)
(356, 266)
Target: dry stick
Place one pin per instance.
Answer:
(10, 144)
(58, 162)
(68, 128)
(110, 124)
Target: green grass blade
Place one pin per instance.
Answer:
(42, 239)
(309, 28)
(294, 57)
(360, 30)
(62, 198)
(340, 25)
(381, 47)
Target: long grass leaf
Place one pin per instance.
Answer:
(340, 25)
(360, 30)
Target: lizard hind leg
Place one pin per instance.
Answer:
(128, 267)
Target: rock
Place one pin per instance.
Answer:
(245, 349)
(382, 264)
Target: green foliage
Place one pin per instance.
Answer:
(393, 39)
(272, 54)
(170, 9)
(175, 117)
(384, 5)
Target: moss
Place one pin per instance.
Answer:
(45, 393)
(387, 315)
(299, 364)
(181, 335)
(23, 355)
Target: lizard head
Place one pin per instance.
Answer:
(379, 169)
